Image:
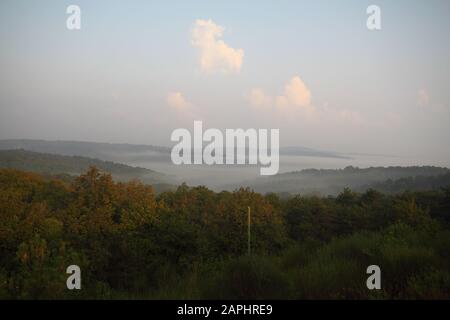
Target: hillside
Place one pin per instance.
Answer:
(331, 182)
(53, 164)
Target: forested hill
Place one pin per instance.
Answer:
(332, 182)
(191, 243)
(54, 164)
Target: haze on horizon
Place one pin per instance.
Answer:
(137, 70)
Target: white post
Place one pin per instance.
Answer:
(249, 223)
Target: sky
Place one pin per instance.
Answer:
(137, 70)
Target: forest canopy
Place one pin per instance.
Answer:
(192, 242)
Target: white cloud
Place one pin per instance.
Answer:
(281, 102)
(258, 98)
(295, 103)
(177, 100)
(295, 94)
(215, 54)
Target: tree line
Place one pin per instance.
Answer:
(191, 243)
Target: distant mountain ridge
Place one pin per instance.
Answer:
(135, 152)
(309, 152)
(99, 150)
(333, 181)
(54, 164)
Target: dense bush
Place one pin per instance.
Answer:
(246, 277)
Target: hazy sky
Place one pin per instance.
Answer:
(139, 69)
